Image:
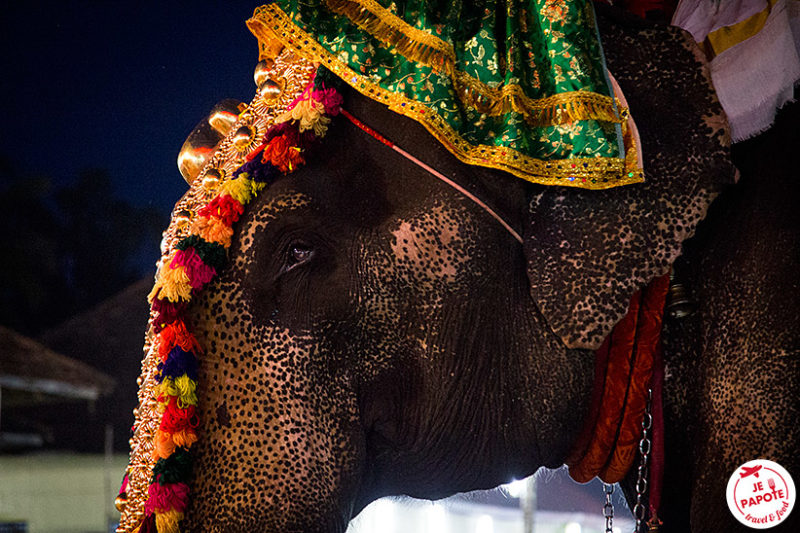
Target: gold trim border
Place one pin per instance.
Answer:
(270, 23)
(422, 47)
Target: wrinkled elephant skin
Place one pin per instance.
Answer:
(378, 333)
(372, 322)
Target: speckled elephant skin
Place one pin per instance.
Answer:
(378, 333)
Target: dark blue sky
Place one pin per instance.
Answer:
(117, 85)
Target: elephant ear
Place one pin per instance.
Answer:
(588, 251)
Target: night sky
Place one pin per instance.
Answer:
(117, 85)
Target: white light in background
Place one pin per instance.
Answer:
(484, 524)
(436, 519)
(383, 516)
(616, 529)
(516, 488)
(572, 527)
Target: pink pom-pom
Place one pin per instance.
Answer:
(164, 498)
(199, 273)
(329, 98)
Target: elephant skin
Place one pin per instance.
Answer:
(377, 333)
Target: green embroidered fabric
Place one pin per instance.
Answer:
(515, 85)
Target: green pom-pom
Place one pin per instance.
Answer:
(327, 77)
(174, 469)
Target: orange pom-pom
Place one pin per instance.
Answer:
(163, 445)
(184, 438)
(213, 230)
(176, 334)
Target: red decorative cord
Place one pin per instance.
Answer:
(380, 138)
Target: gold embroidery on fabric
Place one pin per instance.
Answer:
(557, 109)
(420, 46)
(269, 22)
(413, 43)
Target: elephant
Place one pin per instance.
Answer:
(377, 333)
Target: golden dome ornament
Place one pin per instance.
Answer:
(205, 138)
(262, 71)
(183, 217)
(243, 138)
(271, 90)
(212, 179)
(121, 501)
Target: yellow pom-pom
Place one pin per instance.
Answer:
(187, 391)
(175, 285)
(239, 188)
(168, 522)
(183, 387)
(257, 186)
(171, 283)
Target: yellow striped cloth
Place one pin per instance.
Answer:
(754, 51)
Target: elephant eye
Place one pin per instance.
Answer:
(298, 254)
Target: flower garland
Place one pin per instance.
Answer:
(189, 266)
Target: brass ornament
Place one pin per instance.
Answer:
(184, 217)
(120, 502)
(262, 71)
(679, 304)
(212, 179)
(243, 138)
(271, 89)
(211, 158)
(206, 136)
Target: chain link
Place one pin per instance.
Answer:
(639, 510)
(608, 508)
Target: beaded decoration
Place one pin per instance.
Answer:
(156, 491)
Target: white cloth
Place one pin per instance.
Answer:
(757, 75)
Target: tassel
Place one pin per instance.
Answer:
(213, 230)
(172, 284)
(166, 497)
(185, 438)
(238, 189)
(182, 388)
(168, 522)
(309, 115)
(330, 99)
(175, 419)
(410, 42)
(280, 153)
(166, 312)
(176, 334)
(178, 363)
(163, 446)
(174, 469)
(198, 272)
(212, 253)
(225, 206)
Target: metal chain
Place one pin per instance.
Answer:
(639, 510)
(608, 508)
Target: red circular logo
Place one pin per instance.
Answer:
(761, 494)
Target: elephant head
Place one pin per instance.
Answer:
(368, 339)
(377, 332)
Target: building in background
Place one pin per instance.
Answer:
(41, 487)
